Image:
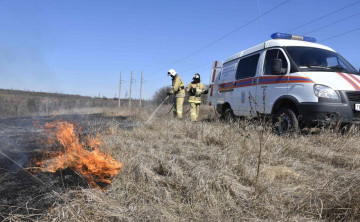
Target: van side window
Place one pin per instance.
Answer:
(228, 71)
(247, 67)
(274, 54)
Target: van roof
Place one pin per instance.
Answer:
(276, 43)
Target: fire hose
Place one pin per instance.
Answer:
(152, 115)
(172, 109)
(162, 103)
(21, 167)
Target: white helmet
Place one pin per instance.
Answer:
(172, 72)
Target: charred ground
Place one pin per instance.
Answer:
(29, 192)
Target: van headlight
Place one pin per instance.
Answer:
(325, 92)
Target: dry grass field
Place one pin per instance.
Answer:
(206, 171)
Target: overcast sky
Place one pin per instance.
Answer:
(79, 47)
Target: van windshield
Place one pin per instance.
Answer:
(315, 59)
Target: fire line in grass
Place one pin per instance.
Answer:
(82, 156)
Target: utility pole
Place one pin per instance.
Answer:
(141, 82)
(131, 80)
(119, 89)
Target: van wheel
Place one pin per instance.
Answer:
(286, 122)
(228, 115)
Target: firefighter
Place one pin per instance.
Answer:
(179, 91)
(195, 89)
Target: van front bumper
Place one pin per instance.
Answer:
(325, 113)
(327, 110)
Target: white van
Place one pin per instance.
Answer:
(289, 77)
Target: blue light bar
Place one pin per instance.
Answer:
(278, 35)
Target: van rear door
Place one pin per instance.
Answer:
(226, 84)
(214, 81)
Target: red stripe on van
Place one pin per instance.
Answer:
(264, 80)
(349, 81)
(355, 78)
(212, 82)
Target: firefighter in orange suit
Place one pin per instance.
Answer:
(195, 89)
(179, 91)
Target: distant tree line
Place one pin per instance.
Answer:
(161, 94)
(25, 103)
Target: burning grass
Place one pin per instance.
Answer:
(84, 157)
(183, 171)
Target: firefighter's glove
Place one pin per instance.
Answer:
(170, 92)
(205, 91)
(193, 91)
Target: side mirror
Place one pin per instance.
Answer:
(276, 67)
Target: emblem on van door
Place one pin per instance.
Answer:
(242, 97)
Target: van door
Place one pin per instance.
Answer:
(270, 87)
(226, 85)
(245, 84)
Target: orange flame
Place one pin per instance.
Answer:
(82, 157)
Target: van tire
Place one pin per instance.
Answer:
(228, 115)
(286, 122)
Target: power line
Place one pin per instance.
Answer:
(224, 36)
(324, 16)
(196, 67)
(259, 17)
(308, 32)
(141, 83)
(131, 81)
(204, 64)
(333, 23)
(261, 21)
(120, 91)
(332, 37)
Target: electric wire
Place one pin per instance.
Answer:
(260, 17)
(196, 67)
(307, 32)
(261, 21)
(222, 37)
(209, 63)
(333, 23)
(324, 16)
(344, 33)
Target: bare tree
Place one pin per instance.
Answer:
(161, 94)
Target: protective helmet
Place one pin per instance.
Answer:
(196, 76)
(172, 72)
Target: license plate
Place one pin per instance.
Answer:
(357, 107)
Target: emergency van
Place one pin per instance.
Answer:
(290, 78)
